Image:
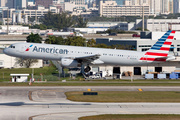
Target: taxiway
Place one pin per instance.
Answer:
(46, 103)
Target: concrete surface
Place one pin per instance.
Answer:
(50, 103)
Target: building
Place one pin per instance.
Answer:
(20, 4)
(44, 3)
(102, 24)
(119, 2)
(57, 2)
(159, 24)
(31, 1)
(6, 3)
(69, 6)
(77, 2)
(166, 6)
(171, 6)
(176, 6)
(41, 10)
(111, 9)
(21, 16)
(155, 7)
(86, 13)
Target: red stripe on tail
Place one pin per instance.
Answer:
(157, 54)
(170, 37)
(167, 43)
(165, 48)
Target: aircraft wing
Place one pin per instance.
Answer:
(94, 59)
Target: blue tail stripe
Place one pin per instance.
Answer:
(160, 42)
(156, 45)
(155, 48)
(164, 37)
(168, 33)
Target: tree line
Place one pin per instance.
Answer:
(74, 41)
(60, 21)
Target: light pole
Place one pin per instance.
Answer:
(86, 42)
(32, 75)
(38, 20)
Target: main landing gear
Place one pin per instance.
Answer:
(21, 64)
(87, 69)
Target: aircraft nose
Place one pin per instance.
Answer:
(5, 51)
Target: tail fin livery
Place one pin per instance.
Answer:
(159, 51)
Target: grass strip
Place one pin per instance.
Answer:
(125, 96)
(132, 117)
(87, 84)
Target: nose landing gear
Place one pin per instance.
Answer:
(21, 63)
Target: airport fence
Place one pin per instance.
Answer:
(5, 79)
(54, 77)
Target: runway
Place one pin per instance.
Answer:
(46, 103)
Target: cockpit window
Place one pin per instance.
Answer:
(11, 46)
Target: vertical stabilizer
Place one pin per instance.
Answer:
(159, 51)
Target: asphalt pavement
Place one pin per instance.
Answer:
(50, 103)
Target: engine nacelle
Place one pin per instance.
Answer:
(69, 62)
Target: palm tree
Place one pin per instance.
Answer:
(50, 40)
(34, 38)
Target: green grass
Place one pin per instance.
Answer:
(52, 76)
(132, 117)
(125, 96)
(5, 73)
(86, 83)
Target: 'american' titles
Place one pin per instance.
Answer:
(50, 50)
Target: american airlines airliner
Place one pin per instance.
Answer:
(73, 56)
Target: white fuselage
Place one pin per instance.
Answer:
(57, 52)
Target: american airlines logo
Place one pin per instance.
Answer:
(29, 48)
(50, 50)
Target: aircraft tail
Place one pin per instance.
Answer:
(159, 51)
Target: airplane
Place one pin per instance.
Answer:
(74, 56)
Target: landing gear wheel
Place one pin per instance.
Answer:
(87, 69)
(21, 64)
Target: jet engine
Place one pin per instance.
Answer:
(69, 62)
